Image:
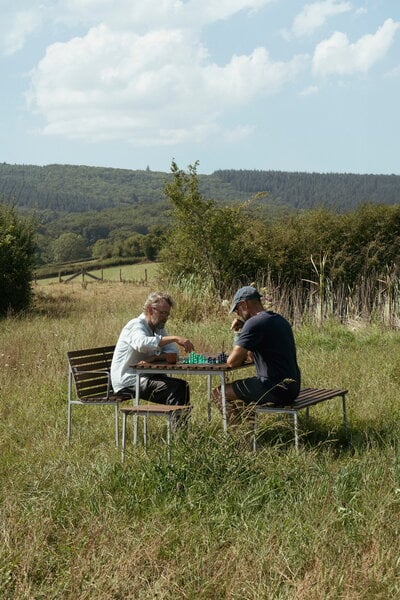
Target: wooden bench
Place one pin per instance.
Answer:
(89, 383)
(307, 397)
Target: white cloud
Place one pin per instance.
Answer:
(309, 91)
(313, 16)
(152, 88)
(337, 55)
(20, 20)
(16, 28)
(174, 13)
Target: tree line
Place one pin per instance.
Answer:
(234, 244)
(220, 245)
(57, 189)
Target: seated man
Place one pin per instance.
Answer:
(268, 339)
(145, 339)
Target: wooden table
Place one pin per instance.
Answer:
(180, 368)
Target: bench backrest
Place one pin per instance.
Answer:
(90, 370)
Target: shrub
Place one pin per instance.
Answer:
(16, 260)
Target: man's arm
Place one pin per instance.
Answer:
(176, 339)
(237, 357)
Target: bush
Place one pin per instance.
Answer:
(16, 260)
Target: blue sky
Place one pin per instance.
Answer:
(235, 84)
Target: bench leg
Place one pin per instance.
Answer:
(169, 427)
(296, 430)
(123, 436)
(69, 423)
(344, 412)
(116, 426)
(255, 426)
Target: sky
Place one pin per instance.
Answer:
(281, 85)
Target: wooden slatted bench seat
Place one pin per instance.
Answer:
(145, 410)
(307, 397)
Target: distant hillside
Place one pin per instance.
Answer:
(79, 189)
(68, 188)
(338, 191)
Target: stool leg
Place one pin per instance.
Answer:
(123, 436)
(169, 427)
(145, 431)
(116, 426)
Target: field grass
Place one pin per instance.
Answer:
(217, 522)
(139, 273)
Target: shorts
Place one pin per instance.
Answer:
(254, 391)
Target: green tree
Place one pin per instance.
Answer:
(208, 241)
(102, 249)
(16, 260)
(69, 246)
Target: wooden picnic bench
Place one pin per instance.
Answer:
(307, 397)
(89, 383)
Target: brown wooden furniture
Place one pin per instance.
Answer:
(307, 397)
(89, 383)
(147, 410)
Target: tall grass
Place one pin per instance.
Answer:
(217, 521)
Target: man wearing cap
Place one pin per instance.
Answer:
(268, 338)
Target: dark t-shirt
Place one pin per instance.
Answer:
(270, 337)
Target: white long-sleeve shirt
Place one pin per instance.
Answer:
(136, 342)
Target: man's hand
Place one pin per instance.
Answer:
(237, 324)
(185, 343)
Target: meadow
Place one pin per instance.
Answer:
(217, 521)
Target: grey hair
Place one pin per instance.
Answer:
(155, 298)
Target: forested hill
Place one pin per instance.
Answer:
(338, 191)
(69, 189)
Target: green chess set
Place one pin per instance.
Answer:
(202, 359)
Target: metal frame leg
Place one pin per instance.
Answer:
(209, 398)
(296, 430)
(123, 442)
(145, 432)
(69, 422)
(255, 426)
(223, 402)
(344, 411)
(169, 423)
(69, 416)
(116, 426)
(135, 403)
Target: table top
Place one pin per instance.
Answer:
(180, 366)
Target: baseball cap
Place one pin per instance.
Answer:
(244, 293)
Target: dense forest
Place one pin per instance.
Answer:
(93, 212)
(68, 188)
(337, 191)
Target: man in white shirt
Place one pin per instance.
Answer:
(145, 339)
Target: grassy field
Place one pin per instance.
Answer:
(139, 273)
(217, 522)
